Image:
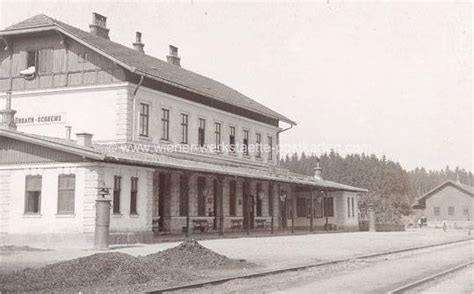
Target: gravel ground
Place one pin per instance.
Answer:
(118, 272)
(461, 282)
(373, 275)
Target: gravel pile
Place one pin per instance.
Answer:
(102, 269)
(114, 271)
(192, 255)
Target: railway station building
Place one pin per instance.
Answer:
(180, 152)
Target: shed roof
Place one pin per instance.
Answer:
(147, 65)
(243, 169)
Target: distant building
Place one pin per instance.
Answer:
(450, 201)
(62, 80)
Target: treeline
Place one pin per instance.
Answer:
(392, 189)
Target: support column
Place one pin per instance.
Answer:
(186, 191)
(248, 203)
(271, 200)
(311, 220)
(293, 208)
(220, 191)
(371, 214)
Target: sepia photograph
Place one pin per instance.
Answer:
(192, 146)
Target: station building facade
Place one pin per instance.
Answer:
(451, 202)
(182, 153)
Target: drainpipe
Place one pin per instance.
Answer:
(278, 142)
(134, 106)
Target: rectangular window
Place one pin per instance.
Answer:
(183, 195)
(259, 145)
(270, 146)
(202, 132)
(46, 60)
(232, 198)
(184, 128)
(232, 139)
(202, 196)
(259, 200)
(328, 206)
(451, 210)
(436, 210)
(217, 132)
(133, 195)
(301, 207)
(82, 58)
(353, 207)
(144, 118)
(31, 58)
(348, 207)
(245, 144)
(165, 122)
(116, 196)
(33, 194)
(66, 193)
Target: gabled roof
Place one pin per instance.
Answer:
(419, 202)
(104, 153)
(148, 66)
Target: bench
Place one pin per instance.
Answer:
(200, 225)
(237, 224)
(261, 224)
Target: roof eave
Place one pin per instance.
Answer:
(96, 155)
(12, 32)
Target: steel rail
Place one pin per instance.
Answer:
(297, 268)
(430, 278)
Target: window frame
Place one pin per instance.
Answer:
(38, 190)
(436, 210)
(134, 196)
(232, 139)
(144, 119)
(202, 132)
(34, 52)
(218, 136)
(73, 189)
(328, 206)
(116, 195)
(165, 124)
(245, 142)
(270, 151)
(184, 128)
(258, 142)
(451, 211)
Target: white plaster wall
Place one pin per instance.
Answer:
(157, 101)
(88, 179)
(126, 222)
(449, 196)
(87, 109)
(47, 221)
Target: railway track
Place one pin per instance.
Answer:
(297, 268)
(428, 279)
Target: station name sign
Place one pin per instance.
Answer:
(39, 119)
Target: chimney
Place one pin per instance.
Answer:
(138, 45)
(7, 115)
(68, 132)
(318, 171)
(84, 139)
(98, 26)
(173, 56)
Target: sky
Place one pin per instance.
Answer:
(391, 78)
